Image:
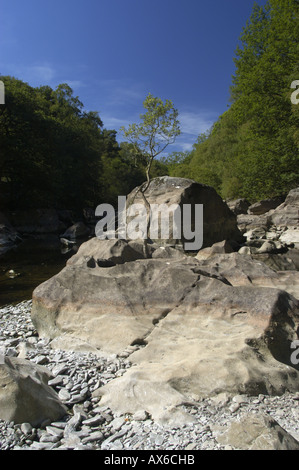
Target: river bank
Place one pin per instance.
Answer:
(88, 426)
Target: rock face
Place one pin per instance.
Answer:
(25, 396)
(108, 253)
(239, 206)
(219, 339)
(258, 432)
(220, 322)
(262, 207)
(226, 314)
(278, 223)
(288, 212)
(219, 222)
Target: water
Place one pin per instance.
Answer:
(35, 261)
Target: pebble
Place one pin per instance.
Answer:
(90, 426)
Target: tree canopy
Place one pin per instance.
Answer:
(159, 127)
(253, 149)
(55, 154)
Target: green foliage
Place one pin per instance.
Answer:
(158, 128)
(55, 154)
(253, 149)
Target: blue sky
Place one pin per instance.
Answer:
(114, 52)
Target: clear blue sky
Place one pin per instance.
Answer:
(114, 52)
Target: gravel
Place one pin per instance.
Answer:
(90, 426)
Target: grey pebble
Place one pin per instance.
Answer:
(88, 425)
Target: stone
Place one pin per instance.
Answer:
(141, 415)
(239, 206)
(25, 396)
(26, 428)
(245, 250)
(94, 252)
(117, 424)
(271, 247)
(261, 207)
(258, 432)
(76, 231)
(93, 437)
(241, 269)
(119, 303)
(183, 349)
(287, 214)
(73, 424)
(247, 222)
(94, 421)
(218, 248)
(219, 222)
(64, 395)
(168, 252)
(291, 237)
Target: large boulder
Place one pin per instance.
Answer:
(188, 316)
(244, 270)
(107, 253)
(287, 214)
(218, 339)
(239, 206)
(25, 396)
(110, 307)
(255, 432)
(261, 207)
(219, 222)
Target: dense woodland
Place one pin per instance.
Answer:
(252, 150)
(55, 154)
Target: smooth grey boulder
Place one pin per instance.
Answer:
(257, 432)
(287, 214)
(221, 315)
(25, 396)
(107, 253)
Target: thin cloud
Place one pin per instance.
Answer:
(113, 122)
(35, 75)
(196, 123)
(119, 93)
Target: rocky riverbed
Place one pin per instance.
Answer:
(89, 426)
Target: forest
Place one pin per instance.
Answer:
(53, 153)
(252, 151)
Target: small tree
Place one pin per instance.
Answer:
(159, 128)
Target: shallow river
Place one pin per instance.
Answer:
(33, 261)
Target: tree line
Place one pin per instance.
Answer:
(55, 154)
(252, 150)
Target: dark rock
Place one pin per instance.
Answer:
(239, 206)
(76, 231)
(262, 207)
